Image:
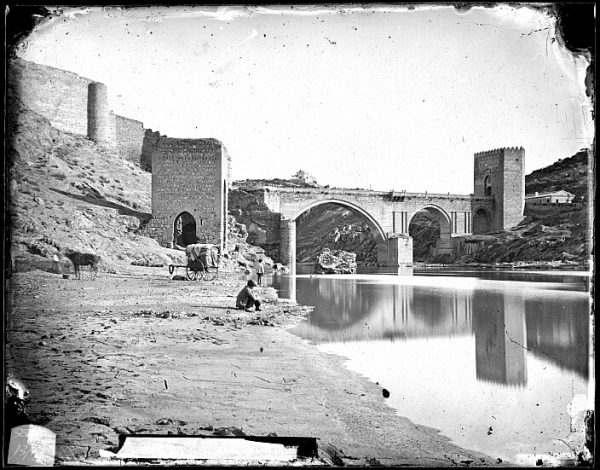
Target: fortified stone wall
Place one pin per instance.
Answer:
(514, 186)
(130, 138)
(58, 95)
(505, 168)
(149, 143)
(189, 175)
(79, 105)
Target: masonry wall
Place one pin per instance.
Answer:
(506, 168)
(58, 95)
(64, 99)
(149, 144)
(514, 186)
(129, 135)
(187, 175)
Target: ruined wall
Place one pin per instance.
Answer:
(129, 135)
(79, 105)
(188, 175)
(58, 95)
(149, 144)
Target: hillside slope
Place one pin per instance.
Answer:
(559, 233)
(337, 228)
(571, 174)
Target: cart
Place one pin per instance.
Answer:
(203, 261)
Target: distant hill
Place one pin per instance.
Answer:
(571, 174)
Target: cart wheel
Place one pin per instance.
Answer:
(171, 269)
(210, 274)
(192, 274)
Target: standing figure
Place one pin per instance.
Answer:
(260, 270)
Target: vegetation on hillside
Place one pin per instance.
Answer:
(337, 228)
(570, 174)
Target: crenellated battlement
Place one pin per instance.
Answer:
(500, 173)
(498, 151)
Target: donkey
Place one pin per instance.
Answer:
(83, 259)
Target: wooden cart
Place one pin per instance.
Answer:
(202, 262)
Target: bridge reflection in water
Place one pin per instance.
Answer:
(506, 323)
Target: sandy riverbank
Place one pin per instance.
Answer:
(139, 352)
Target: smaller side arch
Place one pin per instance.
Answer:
(482, 221)
(435, 210)
(348, 204)
(424, 239)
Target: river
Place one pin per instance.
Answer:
(493, 359)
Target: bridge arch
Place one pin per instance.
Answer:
(350, 205)
(434, 210)
(443, 245)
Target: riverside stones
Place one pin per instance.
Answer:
(336, 262)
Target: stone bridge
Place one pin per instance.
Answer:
(497, 204)
(388, 213)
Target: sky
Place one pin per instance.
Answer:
(380, 97)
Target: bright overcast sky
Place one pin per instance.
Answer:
(384, 98)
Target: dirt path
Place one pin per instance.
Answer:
(142, 353)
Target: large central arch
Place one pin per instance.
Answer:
(347, 204)
(288, 230)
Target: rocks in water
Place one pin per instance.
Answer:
(336, 262)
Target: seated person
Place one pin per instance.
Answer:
(248, 297)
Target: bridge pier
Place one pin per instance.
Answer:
(287, 247)
(395, 251)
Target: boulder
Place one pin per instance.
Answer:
(336, 262)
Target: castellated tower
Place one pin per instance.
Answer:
(190, 183)
(99, 128)
(500, 173)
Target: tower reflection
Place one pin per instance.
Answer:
(505, 323)
(500, 337)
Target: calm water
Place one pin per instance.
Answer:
(493, 360)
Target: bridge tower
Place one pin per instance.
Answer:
(500, 173)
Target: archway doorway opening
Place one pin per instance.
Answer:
(184, 230)
(482, 221)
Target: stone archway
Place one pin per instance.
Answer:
(184, 230)
(288, 230)
(482, 221)
(442, 244)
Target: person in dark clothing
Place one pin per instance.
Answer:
(248, 297)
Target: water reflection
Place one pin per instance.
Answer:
(500, 337)
(505, 323)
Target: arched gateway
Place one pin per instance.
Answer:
(498, 202)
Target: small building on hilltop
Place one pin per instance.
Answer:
(556, 197)
(304, 177)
